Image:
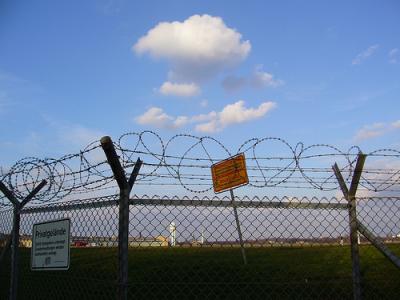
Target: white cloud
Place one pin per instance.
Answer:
(204, 117)
(393, 55)
(365, 54)
(375, 130)
(261, 79)
(179, 89)
(235, 113)
(196, 49)
(209, 127)
(180, 121)
(156, 117)
(258, 79)
(211, 122)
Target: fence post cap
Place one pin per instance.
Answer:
(105, 140)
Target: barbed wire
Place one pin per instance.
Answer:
(185, 160)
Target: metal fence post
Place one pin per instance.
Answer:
(393, 258)
(125, 187)
(14, 254)
(123, 235)
(238, 227)
(350, 196)
(15, 232)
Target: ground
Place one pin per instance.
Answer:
(322, 272)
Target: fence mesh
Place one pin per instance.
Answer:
(381, 215)
(189, 248)
(6, 218)
(94, 240)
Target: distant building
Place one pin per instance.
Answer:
(80, 243)
(159, 241)
(112, 241)
(25, 241)
(172, 234)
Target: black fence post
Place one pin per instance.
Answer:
(125, 188)
(18, 206)
(14, 254)
(350, 196)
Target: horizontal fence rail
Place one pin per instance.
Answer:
(302, 203)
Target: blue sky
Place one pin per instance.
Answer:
(310, 71)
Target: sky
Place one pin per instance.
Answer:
(305, 71)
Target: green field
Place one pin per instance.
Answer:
(322, 272)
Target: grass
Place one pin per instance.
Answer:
(186, 273)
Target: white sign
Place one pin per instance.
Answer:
(50, 245)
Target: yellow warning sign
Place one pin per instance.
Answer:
(229, 173)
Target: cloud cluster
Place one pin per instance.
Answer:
(196, 49)
(258, 79)
(375, 130)
(365, 54)
(212, 122)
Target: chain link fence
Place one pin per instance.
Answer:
(196, 245)
(381, 216)
(189, 248)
